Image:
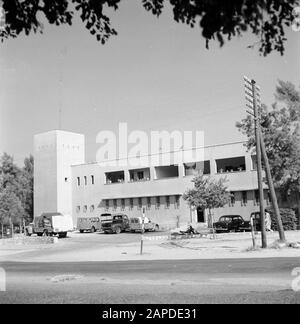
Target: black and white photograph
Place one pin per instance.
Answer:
(149, 155)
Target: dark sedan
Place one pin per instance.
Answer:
(232, 223)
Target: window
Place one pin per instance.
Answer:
(167, 202)
(232, 198)
(78, 181)
(177, 202)
(148, 202)
(93, 180)
(107, 204)
(157, 202)
(197, 168)
(123, 204)
(254, 162)
(85, 208)
(131, 203)
(256, 194)
(165, 172)
(78, 209)
(139, 175)
(140, 203)
(115, 177)
(237, 164)
(244, 198)
(92, 208)
(85, 180)
(269, 198)
(115, 204)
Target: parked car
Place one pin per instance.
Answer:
(232, 223)
(114, 223)
(136, 225)
(90, 224)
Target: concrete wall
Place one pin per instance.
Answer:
(45, 173)
(54, 153)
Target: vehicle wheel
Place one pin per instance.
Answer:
(45, 233)
(39, 234)
(81, 231)
(118, 230)
(156, 229)
(93, 230)
(62, 235)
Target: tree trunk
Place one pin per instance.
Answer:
(212, 223)
(298, 207)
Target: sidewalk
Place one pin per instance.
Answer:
(226, 246)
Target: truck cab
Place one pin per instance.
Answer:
(114, 223)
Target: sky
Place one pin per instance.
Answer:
(155, 75)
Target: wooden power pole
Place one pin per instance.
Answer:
(272, 190)
(252, 96)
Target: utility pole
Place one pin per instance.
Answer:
(272, 190)
(252, 97)
(142, 231)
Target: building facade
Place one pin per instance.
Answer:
(65, 183)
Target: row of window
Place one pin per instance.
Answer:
(141, 202)
(244, 198)
(86, 180)
(85, 209)
(237, 164)
(148, 202)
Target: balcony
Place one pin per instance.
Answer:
(139, 175)
(231, 165)
(114, 177)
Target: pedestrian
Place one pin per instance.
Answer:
(268, 221)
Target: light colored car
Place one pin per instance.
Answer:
(90, 224)
(136, 225)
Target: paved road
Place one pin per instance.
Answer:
(192, 281)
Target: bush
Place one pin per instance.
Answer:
(288, 217)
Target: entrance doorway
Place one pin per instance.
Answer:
(200, 215)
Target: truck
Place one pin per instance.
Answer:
(51, 224)
(90, 224)
(114, 223)
(136, 225)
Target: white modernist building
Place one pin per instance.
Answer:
(65, 183)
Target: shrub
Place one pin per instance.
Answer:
(288, 217)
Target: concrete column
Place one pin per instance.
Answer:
(181, 170)
(213, 166)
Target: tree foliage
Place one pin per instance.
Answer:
(16, 190)
(218, 19)
(207, 193)
(11, 209)
(281, 130)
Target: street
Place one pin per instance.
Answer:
(179, 281)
